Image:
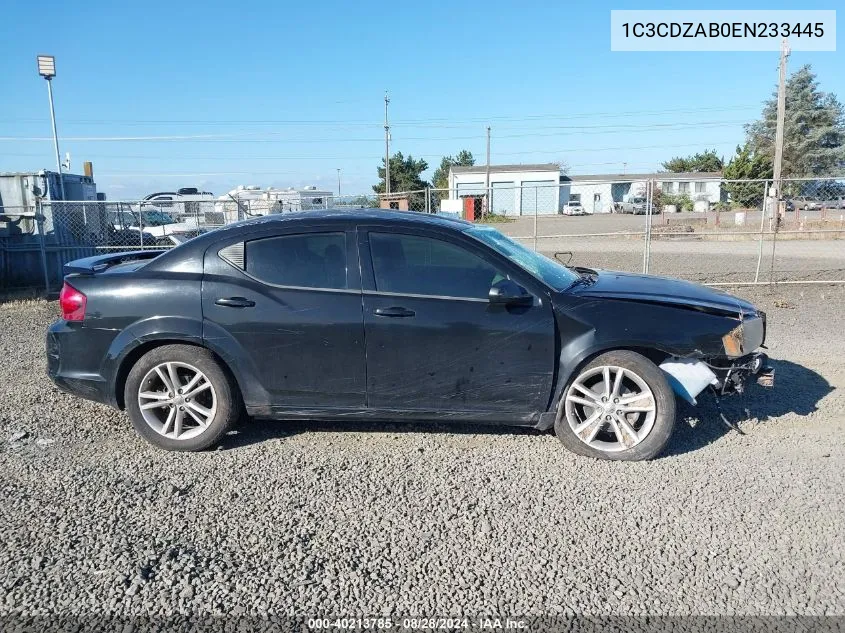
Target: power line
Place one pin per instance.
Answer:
(399, 122)
(252, 138)
(568, 150)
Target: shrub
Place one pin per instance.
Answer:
(681, 200)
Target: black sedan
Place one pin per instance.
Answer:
(383, 315)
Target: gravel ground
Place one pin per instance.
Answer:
(319, 518)
(687, 256)
(708, 262)
(623, 222)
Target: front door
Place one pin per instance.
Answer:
(434, 341)
(288, 306)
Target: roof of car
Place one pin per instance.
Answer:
(357, 215)
(184, 254)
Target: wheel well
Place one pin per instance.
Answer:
(132, 357)
(656, 356)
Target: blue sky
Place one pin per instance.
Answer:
(284, 93)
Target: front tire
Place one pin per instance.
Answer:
(179, 398)
(619, 407)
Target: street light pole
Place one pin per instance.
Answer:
(47, 69)
(338, 183)
(55, 138)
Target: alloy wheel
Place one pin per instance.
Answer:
(177, 400)
(610, 408)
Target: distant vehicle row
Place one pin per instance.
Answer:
(638, 205)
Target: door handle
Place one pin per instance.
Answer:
(394, 311)
(235, 302)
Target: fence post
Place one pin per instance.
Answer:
(652, 184)
(762, 228)
(776, 213)
(535, 219)
(39, 222)
(649, 211)
(428, 199)
(140, 222)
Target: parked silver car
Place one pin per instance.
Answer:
(638, 205)
(804, 203)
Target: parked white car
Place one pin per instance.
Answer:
(154, 222)
(175, 239)
(573, 207)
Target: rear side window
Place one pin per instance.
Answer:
(411, 264)
(309, 260)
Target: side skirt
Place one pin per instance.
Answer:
(396, 415)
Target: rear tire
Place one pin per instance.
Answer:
(180, 398)
(618, 407)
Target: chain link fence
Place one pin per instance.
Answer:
(709, 230)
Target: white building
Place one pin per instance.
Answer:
(515, 189)
(245, 201)
(601, 193)
(526, 189)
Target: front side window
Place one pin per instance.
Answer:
(308, 260)
(700, 187)
(683, 187)
(549, 272)
(668, 187)
(411, 264)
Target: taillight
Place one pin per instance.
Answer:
(72, 303)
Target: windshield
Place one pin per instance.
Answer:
(156, 218)
(553, 274)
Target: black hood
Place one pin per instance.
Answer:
(662, 290)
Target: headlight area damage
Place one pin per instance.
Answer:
(727, 373)
(709, 338)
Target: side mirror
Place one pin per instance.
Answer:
(509, 293)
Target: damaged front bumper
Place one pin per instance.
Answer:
(689, 376)
(733, 374)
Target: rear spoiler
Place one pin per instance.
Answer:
(99, 263)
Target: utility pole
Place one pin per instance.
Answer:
(778, 166)
(489, 190)
(338, 183)
(386, 147)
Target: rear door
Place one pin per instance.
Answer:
(435, 343)
(286, 306)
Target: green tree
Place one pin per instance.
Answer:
(747, 164)
(708, 160)
(440, 180)
(405, 174)
(814, 128)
